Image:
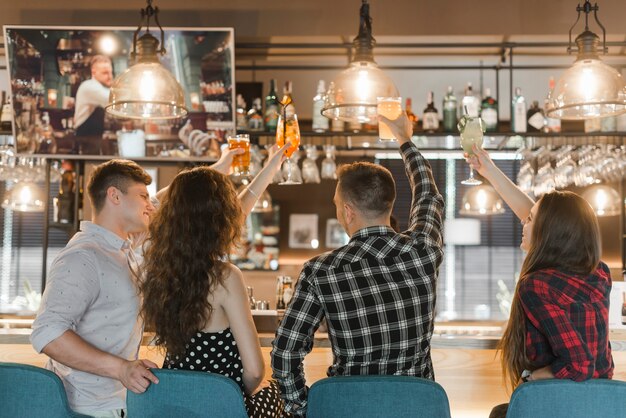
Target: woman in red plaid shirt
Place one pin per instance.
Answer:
(558, 326)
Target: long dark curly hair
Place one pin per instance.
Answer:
(198, 222)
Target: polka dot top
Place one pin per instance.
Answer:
(213, 352)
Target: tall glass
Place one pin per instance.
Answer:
(471, 130)
(391, 108)
(241, 162)
(288, 132)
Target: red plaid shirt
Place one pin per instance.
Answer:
(567, 318)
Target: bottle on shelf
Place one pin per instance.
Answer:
(449, 111)
(280, 303)
(251, 301)
(7, 114)
(489, 111)
(593, 125)
(536, 120)
(271, 108)
(608, 124)
(409, 113)
(255, 120)
(47, 143)
(320, 122)
(518, 112)
(552, 124)
(64, 201)
(242, 122)
(470, 102)
(430, 119)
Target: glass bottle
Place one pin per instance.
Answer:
(518, 114)
(288, 107)
(489, 111)
(430, 120)
(536, 120)
(271, 108)
(470, 103)
(242, 122)
(65, 199)
(320, 122)
(255, 120)
(449, 111)
(552, 124)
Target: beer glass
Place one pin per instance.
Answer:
(391, 108)
(288, 132)
(241, 162)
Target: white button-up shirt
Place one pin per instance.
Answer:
(92, 291)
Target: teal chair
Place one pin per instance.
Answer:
(32, 392)
(377, 396)
(188, 394)
(556, 398)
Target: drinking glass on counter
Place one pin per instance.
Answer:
(391, 108)
(288, 132)
(471, 130)
(241, 162)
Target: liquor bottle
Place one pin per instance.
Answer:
(280, 303)
(242, 122)
(536, 120)
(271, 108)
(47, 143)
(320, 122)
(430, 120)
(470, 103)
(409, 113)
(449, 111)
(7, 114)
(65, 199)
(552, 124)
(623, 308)
(489, 111)
(518, 114)
(255, 120)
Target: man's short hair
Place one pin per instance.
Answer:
(97, 59)
(369, 187)
(117, 173)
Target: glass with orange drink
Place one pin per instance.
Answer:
(288, 132)
(241, 162)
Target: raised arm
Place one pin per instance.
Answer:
(517, 200)
(250, 194)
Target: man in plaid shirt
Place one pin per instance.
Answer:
(377, 293)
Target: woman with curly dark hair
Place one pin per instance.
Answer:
(558, 327)
(196, 301)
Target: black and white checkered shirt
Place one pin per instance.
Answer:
(377, 294)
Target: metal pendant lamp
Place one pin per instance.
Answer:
(351, 97)
(589, 88)
(481, 200)
(147, 90)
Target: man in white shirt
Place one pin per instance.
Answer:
(88, 321)
(91, 99)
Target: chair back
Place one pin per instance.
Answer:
(558, 398)
(377, 396)
(32, 392)
(189, 394)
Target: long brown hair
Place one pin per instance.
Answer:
(199, 219)
(565, 236)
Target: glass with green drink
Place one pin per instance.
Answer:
(471, 130)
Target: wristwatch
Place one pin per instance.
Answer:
(526, 376)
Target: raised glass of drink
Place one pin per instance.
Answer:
(391, 108)
(471, 130)
(288, 132)
(241, 162)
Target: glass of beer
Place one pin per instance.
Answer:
(288, 132)
(471, 130)
(391, 108)
(241, 162)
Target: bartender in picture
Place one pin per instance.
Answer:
(91, 99)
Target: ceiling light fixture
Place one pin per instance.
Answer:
(24, 197)
(351, 97)
(481, 200)
(589, 88)
(604, 200)
(147, 90)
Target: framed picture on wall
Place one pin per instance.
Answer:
(303, 231)
(335, 234)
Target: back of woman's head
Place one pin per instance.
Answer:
(565, 235)
(199, 220)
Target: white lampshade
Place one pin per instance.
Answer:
(461, 232)
(481, 200)
(604, 200)
(24, 197)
